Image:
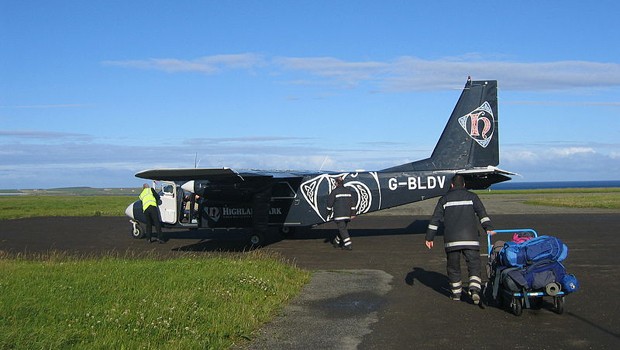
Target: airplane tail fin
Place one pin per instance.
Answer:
(470, 138)
(469, 144)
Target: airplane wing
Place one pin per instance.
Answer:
(222, 184)
(217, 174)
(484, 177)
(189, 174)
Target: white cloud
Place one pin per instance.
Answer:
(571, 151)
(406, 73)
(105, 165)
(341, 72)
(544, 163)
(545, 153)
(43, 135)
(206, 65)
(411, 73)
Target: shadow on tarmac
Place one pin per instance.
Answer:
(431, 279)
(236, 240)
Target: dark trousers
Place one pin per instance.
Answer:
(472, 259)
(152, 218)
(343, 234)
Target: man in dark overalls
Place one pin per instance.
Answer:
(342, 204)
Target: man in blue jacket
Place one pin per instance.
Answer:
(461, 212)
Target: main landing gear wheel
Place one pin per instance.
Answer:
(287, 231)
(256, 239)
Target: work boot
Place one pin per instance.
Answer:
(335, 244)
(347, 247)
(456, 297)
(475, 297)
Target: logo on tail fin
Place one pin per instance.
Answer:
(479, 124)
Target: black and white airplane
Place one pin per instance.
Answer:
(256, 199)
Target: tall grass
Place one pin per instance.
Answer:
(193, 302)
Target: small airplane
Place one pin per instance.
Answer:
(224, 198)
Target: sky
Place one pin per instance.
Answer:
(92, 92)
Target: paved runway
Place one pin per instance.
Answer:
(390, 291)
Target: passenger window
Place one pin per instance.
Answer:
(168, 190)
(282, 190)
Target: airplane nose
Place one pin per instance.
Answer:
(129, 211)
(188, 186)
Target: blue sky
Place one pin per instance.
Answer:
(92, 92)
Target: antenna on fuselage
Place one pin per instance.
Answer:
(196, 161)
(322, 164)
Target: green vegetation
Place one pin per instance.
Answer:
(606, 198)
(553, 191)
(76, 191)
(192, 302)
(14, 207)
(70, 203)
(586, 200)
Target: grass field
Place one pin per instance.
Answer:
(605, 198)
(206, 301)
(25, 206)
(15, 207)
(193, 302)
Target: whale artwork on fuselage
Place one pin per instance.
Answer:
(259, 199)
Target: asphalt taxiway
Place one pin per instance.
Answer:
(390, 292)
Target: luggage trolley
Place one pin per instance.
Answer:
(495, 291)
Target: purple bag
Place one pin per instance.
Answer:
(520, 237)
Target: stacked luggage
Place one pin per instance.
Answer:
(527, 269)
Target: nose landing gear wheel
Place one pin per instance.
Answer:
(137, 231)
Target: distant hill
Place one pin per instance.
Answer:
(75, 191)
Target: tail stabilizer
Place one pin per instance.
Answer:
(470, 138)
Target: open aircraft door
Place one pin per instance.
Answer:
(168, 209)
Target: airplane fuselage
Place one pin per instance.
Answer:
(306, 203)
(292, 202)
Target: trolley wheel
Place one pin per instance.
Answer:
(516, 306)
(137, 231)
(487, 296)
(558, 303)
